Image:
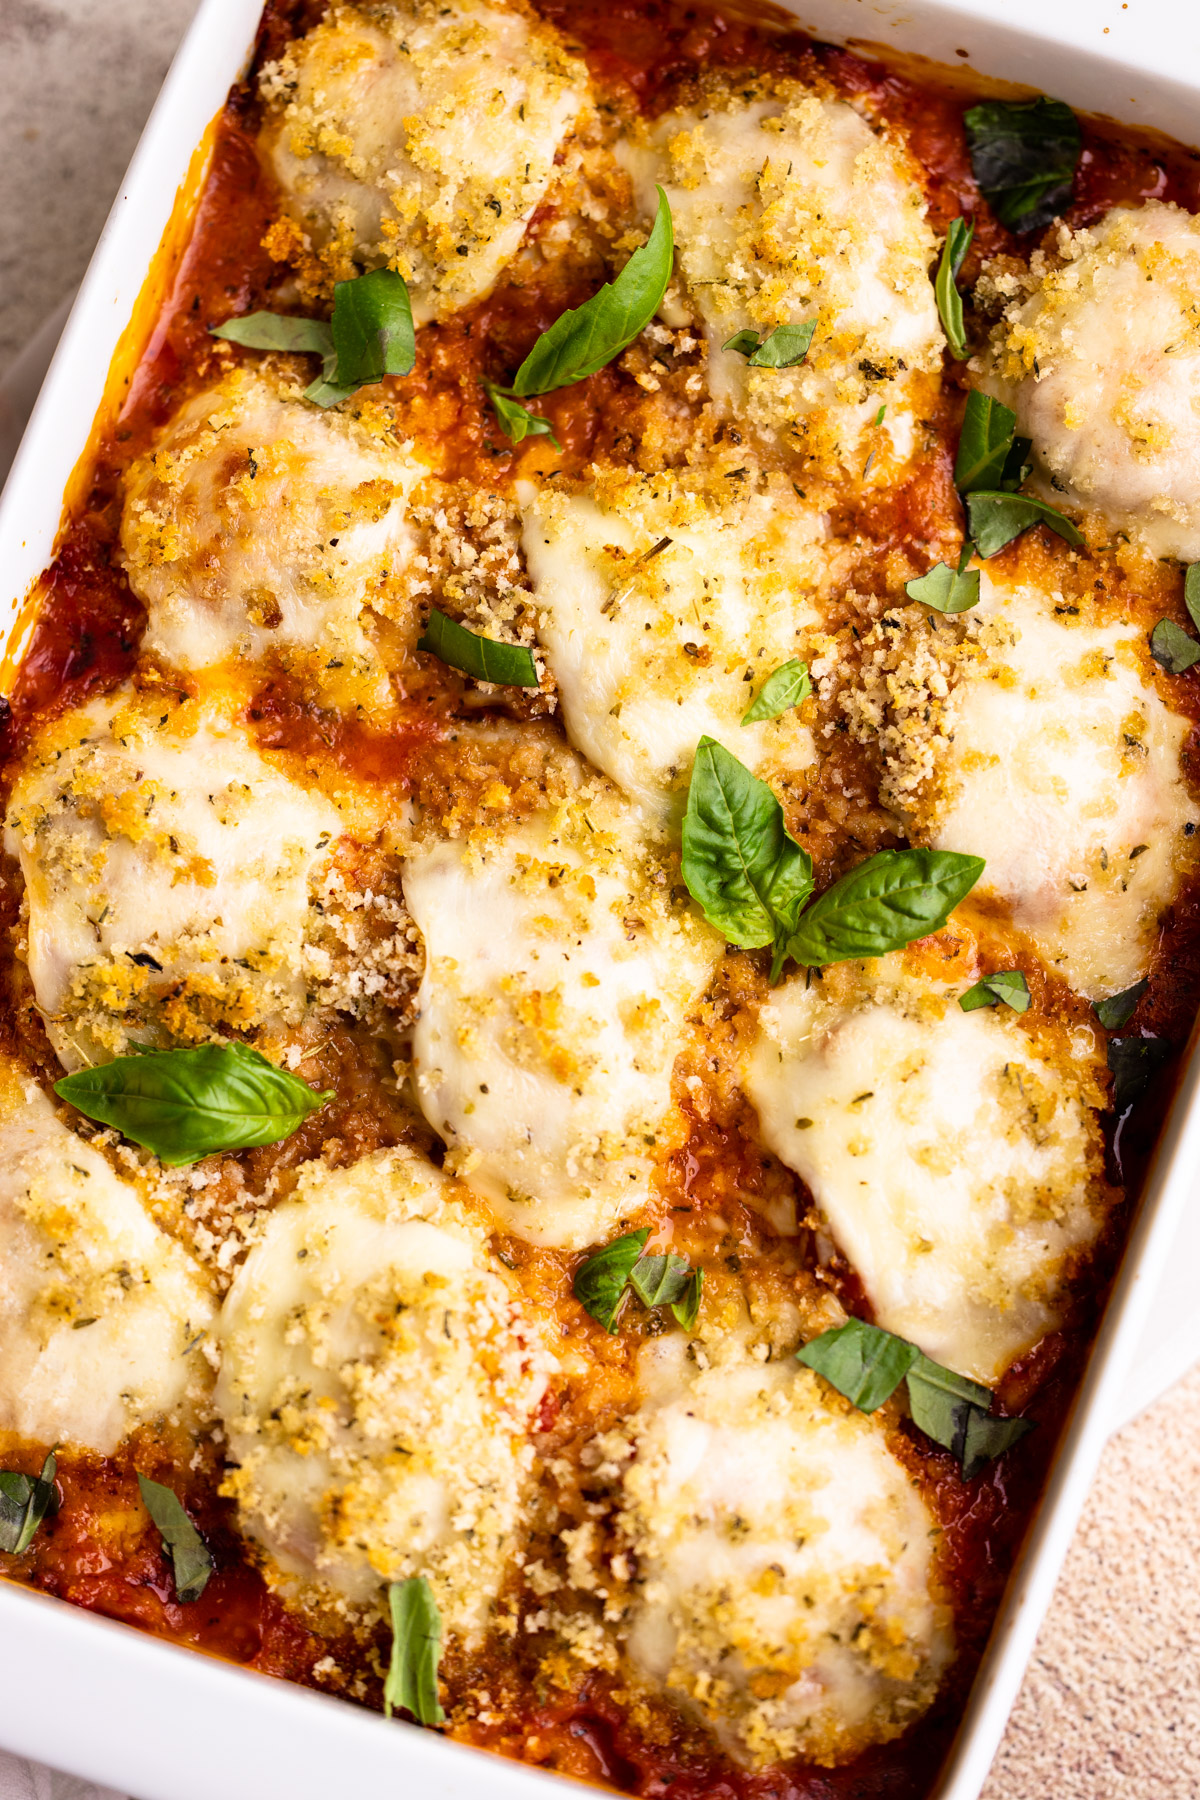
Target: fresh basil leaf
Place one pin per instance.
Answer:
(984, 1438)
(412, 1677)
(1134, 1062)
(25, 1500)
(1016, 470)
(373, 328)
(1024, 155)
(1118, 1009)
(863, 1362)
(1008, 985)
(984, 443)
(782, 348)
(1172, 648)
(741, 865)
(997, 518)
(190, 1560)
(786, 687)
(600, 1282)
(687, 1307)
(954, 1412)
(515, 420)
(506, 665)
(582, 340)
(185, 1104)
(277, 331)
(660, 1280)
(1191, 594)
(945, 290)
(883, 904)
(945, 589)
(325, 391)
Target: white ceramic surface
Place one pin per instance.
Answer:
(167, 1725)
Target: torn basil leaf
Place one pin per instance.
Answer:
(1118, 1009)
(1134, 1062)
(984, 444)
(25, 1500)
(1024, 154)
(861, 1361)
(369, 336)
(412, 1677)
(997, 518)
(741, 865)
(956, 1414)
(1172, 648)
(945, 288)
(487, 659)
(782, 348)
(1007, 985)
(185, 1104)
(1191, 594)
(190, 1559)
(516, 421)
(584, 339)
(786, 687)
(883, 904)
(277, 331)
(600, 1282)
(659, 1280)
(687, 1308)
(945, 589)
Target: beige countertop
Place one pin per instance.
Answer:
(1111, 1704)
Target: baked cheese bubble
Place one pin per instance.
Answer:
(377, 1386)
(420, 137)
(664, 604)
(785, 1593)
(789, 206)
(103, 1317)
(561, 964)
(261, 530)
(955, 1157)
(1099, 355)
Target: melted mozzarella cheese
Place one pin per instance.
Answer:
(377, 1382)
(168, 870)
(790, 207)
(101, 1314)
(1102, 365)
(420, 136)
(260, 527)
(956, 1159)
(785, 1587)
(663, 612)
(557, 982)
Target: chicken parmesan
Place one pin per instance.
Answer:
(600, 878)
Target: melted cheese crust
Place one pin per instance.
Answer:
(102, 1316)
(955, 1157)
(377, 1382)
(422, 137)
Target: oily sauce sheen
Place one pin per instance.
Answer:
(99, 1552)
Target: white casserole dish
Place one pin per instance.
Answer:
(106, 1702)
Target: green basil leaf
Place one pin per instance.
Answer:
(660, 1280)
(506, 665)
(325, 391)
(741, 865)
(600, 1282)
(1024, 155)
(1172, 648)
(1008, 985)
(190, 1560)
(1016, 470)
(687, 1307)
(863, 1362)
(1134, 1062)
(984, 1438)
(1191, 594)
(945, 290)
(997, 518)
(277, 331)
(984, 443)
(954, 1412)
(373, 328)
(945, 589)
(786, 687)
(883, 904)
(1118, 1009)
(412, 1677)
(185, 1104)
(25, 1500)
(515, 420)
(782, 348)
(582, 340)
